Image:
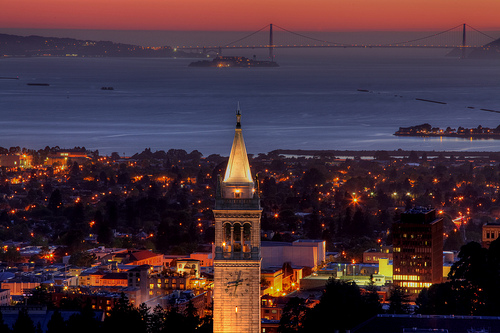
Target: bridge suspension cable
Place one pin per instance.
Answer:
(422, 38)
(482, 33)
(247, 36)
(271, 43)
(312, 38)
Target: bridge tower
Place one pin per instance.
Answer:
(464, 41)
(271, 43)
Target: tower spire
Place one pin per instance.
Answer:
(238, 116)
(238, 168)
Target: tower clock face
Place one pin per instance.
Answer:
(237, 283)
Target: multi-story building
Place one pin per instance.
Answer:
(237, 261)
(303, 252)
(5, 298)
(372, 256)
(418, 250)
(491, 231)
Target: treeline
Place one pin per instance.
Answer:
(124, 317)
(472, 289)
(342, 306)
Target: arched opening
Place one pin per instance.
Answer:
(227, 233)
(237, 237)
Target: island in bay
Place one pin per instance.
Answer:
(479, 132)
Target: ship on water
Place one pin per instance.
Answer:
(222, 61)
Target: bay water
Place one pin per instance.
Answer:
(341, 99)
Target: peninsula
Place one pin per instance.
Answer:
(38, 46)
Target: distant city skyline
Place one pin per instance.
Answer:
(223, 15)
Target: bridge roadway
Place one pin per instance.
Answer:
(217, 48)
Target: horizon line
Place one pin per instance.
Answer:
(226, 30)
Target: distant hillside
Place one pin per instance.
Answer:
(36, 46)
(488, 51)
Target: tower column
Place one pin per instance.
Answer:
(236, 274)
(271, 42)
(232, 240)
(242, 238)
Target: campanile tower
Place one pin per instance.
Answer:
(237, 245)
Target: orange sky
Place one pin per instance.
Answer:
(239, 15)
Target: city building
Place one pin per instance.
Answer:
(16, 160)
(491, 231)
(205, 258)
(188, 267)
(372, 256)
(417, 250)
(62, 157)
(303, 252)
(5, 298)
(138, 258)
(237, 261)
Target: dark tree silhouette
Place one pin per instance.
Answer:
(23, 324)
(294, 313)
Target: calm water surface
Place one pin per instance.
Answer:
(310, 102)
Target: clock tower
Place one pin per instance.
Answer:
(237, 259)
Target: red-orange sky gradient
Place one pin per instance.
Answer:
(239, 15)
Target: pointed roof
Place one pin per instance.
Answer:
(238, 168)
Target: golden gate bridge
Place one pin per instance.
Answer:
(462, 36)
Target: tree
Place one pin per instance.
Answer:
(341, 305)
(12, 255)
(55, 201)
(313, 177)
(125, 318)
(157, 320)
(174, 320)
(23, 324)
(294, 313)
(40, 296)
(398, 302)
(312, 226)
(83, 322)
(191, 318)
(82, 259)
(439, 299)
(372, 300)
(3, 326)
(472, 265)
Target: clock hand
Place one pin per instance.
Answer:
(237, 282)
